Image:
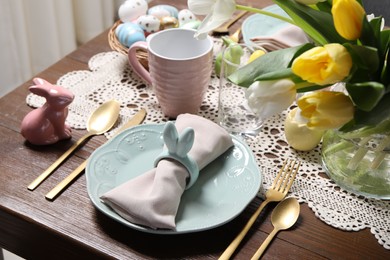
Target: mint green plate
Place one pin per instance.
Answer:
(224, 188)
(262, 25)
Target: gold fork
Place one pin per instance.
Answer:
(277, 192)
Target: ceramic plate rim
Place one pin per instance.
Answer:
(272, 8)
(112, 214)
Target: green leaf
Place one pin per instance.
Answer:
(278, 74)
(325, 6)
(300, 84)
(366, 95)
(385, 45)
(385, 40)
(367, 36)
(317, 24)
(309, 88)
(270, 62)
(364, 57)
(374, 117)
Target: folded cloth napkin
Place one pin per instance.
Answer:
(289, 36)
(152, 199)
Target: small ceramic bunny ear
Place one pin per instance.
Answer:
(41, 87)
(185, 141)
(171, 137)
(178, 148)
(38, 90)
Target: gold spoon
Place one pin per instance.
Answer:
(225, 28)
(136, 120)
(99, 122)
(283, 217)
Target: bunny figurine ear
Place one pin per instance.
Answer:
(39, 87)
(178, 148)
(40, 81)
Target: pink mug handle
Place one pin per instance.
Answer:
(135, 63)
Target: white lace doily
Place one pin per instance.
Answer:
(110, 77)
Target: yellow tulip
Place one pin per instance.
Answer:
(256, 54)
(348, 18)
(326, 109)
(323, 65)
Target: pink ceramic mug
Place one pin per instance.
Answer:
(180, 68)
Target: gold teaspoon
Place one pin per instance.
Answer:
(136, 120)
(283, 217)
(225, 28)
(99, 122)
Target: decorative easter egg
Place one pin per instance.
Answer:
(185, 16)
(149, 23)
(130, 10)
(158, 12)
(191, 25)
(168, 22)
(129, 33)
(163, 10)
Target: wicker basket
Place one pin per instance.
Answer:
(117, 46)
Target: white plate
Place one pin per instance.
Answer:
(224, 188)
(262, 25)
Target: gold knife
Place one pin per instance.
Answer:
(136, 120)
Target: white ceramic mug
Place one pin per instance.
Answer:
(180, 69)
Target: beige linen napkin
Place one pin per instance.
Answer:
(152, 199)
(288, 36)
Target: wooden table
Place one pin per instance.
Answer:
(71, 227)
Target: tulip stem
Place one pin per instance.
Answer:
(380, 154)
(360, 153)
(260, 11)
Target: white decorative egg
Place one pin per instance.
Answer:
(149, 23)
(185, 16)
(130, 10)
(129, 33)
(163, 11)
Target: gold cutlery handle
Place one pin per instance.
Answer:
(51, 195)
(234, 19)
(236, 242)
(65, 182)
(57, 163)
(264, 245)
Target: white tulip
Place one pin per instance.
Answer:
(372, 16)
(268, 98)
(217, 12)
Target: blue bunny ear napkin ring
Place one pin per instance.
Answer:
(178, 148)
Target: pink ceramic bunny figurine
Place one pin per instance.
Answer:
(46, 125)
